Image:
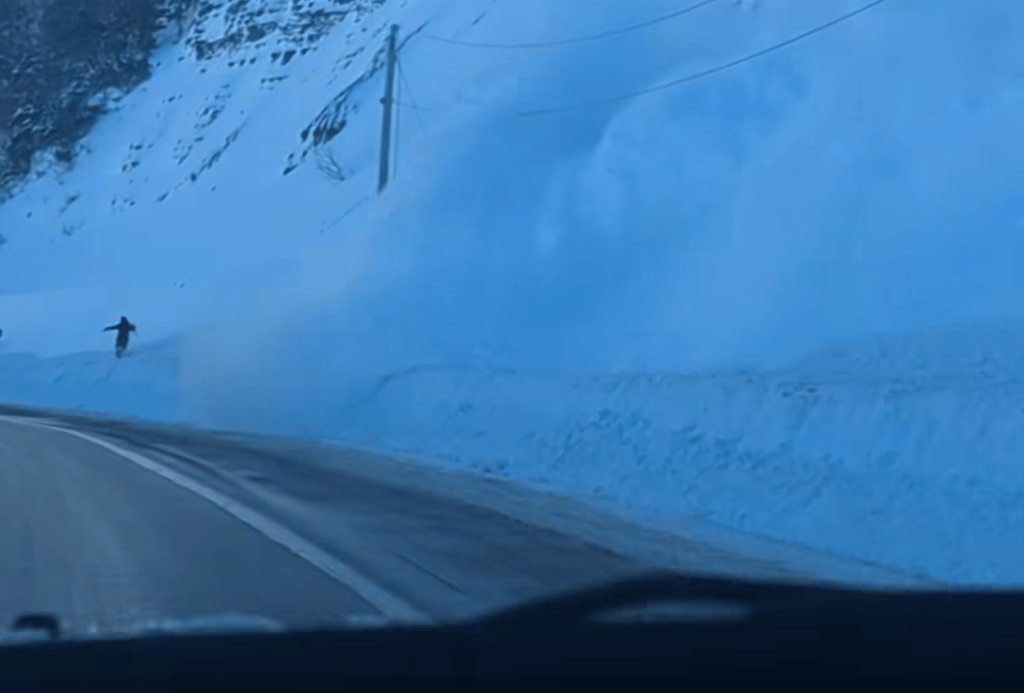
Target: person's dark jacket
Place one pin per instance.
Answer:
(123, 328)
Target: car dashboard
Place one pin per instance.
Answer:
(653, 624)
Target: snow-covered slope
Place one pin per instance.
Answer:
(546, 249)
(179, 192)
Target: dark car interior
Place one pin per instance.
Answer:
(654, 624)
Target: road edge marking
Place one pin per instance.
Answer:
(390, 605)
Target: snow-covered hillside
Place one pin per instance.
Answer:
(784, 296)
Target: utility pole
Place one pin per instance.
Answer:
(388, 100)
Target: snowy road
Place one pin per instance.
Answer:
(98, 540)
(296, 531)
(94, 537)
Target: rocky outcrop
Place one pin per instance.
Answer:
(64, 63)
(58, 58)
(219, 26)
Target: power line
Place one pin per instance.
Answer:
(413, 106)
(416, 109)
(714, 70)
(581, 39)
(347, 212)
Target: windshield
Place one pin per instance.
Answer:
(342, 310)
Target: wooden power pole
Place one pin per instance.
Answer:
(388, 100)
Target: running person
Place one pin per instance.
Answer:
(123, 329)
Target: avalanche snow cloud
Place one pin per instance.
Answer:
(863, 180)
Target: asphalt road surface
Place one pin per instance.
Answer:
(107, 522)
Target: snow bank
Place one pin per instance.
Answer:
(858, 452)
(142, 385)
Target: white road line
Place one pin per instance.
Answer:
(391, 606)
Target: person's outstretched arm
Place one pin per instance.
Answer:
(108, 329)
